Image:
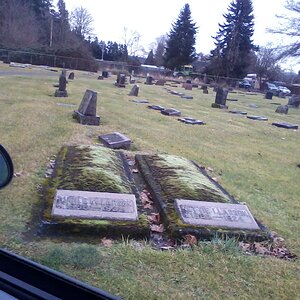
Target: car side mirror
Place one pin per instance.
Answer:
(6, 168)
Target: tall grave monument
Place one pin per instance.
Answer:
(62, 85)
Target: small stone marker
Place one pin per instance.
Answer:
(149, 80)
(134, 91)
(220, 100)
(200, 213)
(205, 89)
(238, 112)
(282, 109)
(94, 205)
(140, 101)
(191, 121)
(171, 112)
(269, 95)
(62, 92)
(160, 82)
(71, 76)
(156, 107)
(285, 125)
(66, 104)
(258, 118)
(115, 140)
(86, 113)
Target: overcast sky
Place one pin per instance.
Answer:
(155, 17)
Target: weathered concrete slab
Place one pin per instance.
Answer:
(93, 205)
(115, 140)
(200, 213)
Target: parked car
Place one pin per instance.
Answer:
(272, 88)
(244, 84)
(284, 90)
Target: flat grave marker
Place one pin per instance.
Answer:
(171, 112)
(201, 213)
(65, 104)
(156, 107)
(94, 205)
(285, 125)
(258, 118)
(238, 112)
(140, 101)
(115, 140)
(191, 121)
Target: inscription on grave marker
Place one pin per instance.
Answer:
(95, 205)
(214, 214)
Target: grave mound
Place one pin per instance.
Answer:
(190, 202)
(91, 191)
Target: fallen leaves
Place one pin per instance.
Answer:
(146, 199)
(190, 239)
(157, 228)
(154, 218)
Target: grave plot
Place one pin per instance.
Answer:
(190, 202)
(91, 191)
(285, 125)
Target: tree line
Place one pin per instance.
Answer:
(35, 25)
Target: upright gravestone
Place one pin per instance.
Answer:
(71, 76)
(86, 113)
(269, 95)
(62, 92)
(134, 91)
(221, 97)
(294, 101)
(205, 89)
(105, 74)
(149, 80)
(282, 109)
(121, 79)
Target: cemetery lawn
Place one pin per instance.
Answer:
(253, 160)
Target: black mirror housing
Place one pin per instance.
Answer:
(6, 168)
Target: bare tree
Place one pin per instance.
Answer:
(18, 24)
(160, 47)
(81, 22)
(290, 27)
(131, 39)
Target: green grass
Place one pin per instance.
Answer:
(254, 161)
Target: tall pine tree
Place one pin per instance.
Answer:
(231, 57)
(180, 48)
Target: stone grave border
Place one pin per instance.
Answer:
(200, 232)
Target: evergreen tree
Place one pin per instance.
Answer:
(180, 48)
(231, 57)
(150, 59)
(63, 30)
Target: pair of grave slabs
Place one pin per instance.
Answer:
(103, 196)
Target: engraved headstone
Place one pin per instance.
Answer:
(62, 92)
(222, 215)
(282, 109)
(220, 99)
(94, 205)
(188, 86)
(285, 125)
(105, 74)
(87, 111)
(134, 91)
(115, 140)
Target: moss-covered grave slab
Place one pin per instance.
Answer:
(82, 176)
(176, 182)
